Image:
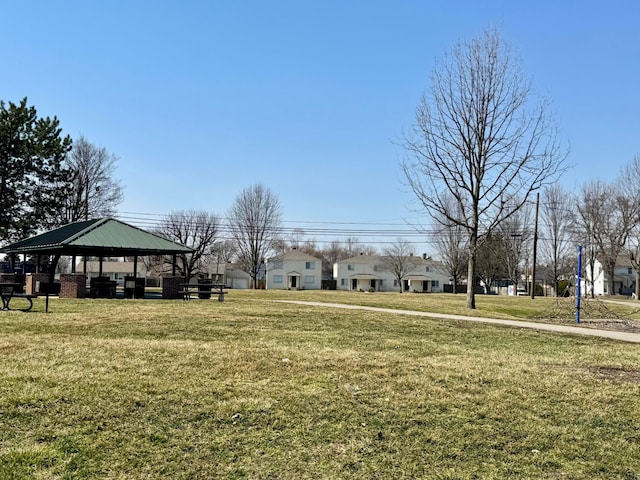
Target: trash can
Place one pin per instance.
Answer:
(134, 287)
(129, 287)
(139, 288)
(204, 288)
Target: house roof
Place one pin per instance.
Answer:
(97, 237)
(366, 259)
(294, 255)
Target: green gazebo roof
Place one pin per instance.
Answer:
(98, 237)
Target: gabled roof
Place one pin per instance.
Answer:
(294, 255)
(97, 237)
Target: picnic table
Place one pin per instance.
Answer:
(202, 290)
(10, 290)
(102, 287)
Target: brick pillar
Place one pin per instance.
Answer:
(170, 287)
(33, 282)
(73, 285)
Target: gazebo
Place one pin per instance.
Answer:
(102, 237)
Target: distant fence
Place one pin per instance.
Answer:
(461, 289)
(329, 285)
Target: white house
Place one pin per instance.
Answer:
(294, 270)
(229, 274)
(624, 278)
(115, 270)
(369, 273)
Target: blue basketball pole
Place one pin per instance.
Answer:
(578, 284)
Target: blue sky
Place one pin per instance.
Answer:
(200, 99)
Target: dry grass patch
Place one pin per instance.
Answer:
(251, 388)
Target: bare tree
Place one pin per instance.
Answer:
(331, 255)
(255, 222)
(450, 242)
(516, 235)
(399, 259)
(630, 184)
(354, 247)
(590, 203)
(557, 221)
(492, 251)
(95, 192)
(610, 214)
(296, 238)
(195, 229)
(482, 137)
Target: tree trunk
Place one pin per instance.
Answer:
(471, 272)
(611, 281)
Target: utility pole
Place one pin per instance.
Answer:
(535, 250)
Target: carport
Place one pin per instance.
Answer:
(102, 237)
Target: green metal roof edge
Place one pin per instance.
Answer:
(31, 244)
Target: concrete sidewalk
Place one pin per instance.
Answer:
(610, 334)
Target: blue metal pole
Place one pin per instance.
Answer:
(578, 284)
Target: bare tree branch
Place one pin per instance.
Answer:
(480, 136)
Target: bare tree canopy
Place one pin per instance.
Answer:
(451, 245)
(608, 215)
(516, 235)
(255, 222)
(481, 136)
(399, 259)
(95, 192)
(556, 225)
(630, 179)
(195, 229)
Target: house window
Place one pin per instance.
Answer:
(427, 268)
(277, 279)
(350, 267)
(630, 270)
(435, 283)
(309, 279)
(277, 265)
(310, 266)
(343, 282)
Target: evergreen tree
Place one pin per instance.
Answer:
(32, 173)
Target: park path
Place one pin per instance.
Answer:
(610, 334)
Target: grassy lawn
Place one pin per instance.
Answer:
(252, 388)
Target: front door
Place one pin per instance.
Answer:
(354, 284)
(294, 282)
